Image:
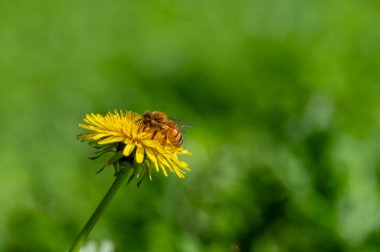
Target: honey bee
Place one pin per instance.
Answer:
(170, 128)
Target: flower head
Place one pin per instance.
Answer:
(125, 134)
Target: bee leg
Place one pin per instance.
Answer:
(154, 134)
(165, 140)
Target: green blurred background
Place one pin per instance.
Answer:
(283, 96)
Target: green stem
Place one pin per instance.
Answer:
(119, 180)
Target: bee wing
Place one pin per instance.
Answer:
(180, 123)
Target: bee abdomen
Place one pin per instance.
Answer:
(176, 137)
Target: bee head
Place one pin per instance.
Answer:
(146, 117)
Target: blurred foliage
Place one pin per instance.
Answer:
(284, 99)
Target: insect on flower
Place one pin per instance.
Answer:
(148, 140)
(160, 122)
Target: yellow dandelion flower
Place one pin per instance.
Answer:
(133, 139)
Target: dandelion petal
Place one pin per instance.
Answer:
(128, 149)
(139, 154)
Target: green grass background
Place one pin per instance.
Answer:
(283, 96)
